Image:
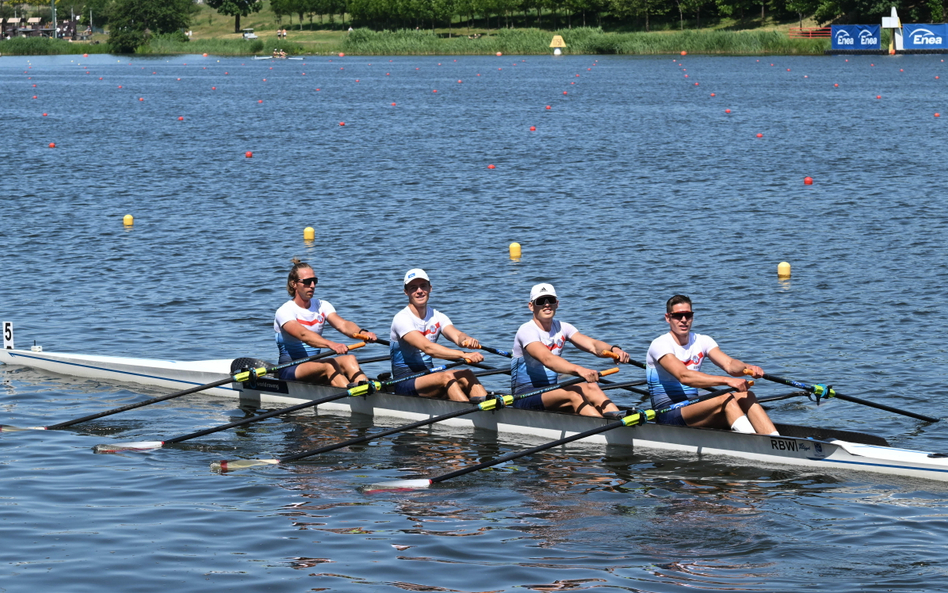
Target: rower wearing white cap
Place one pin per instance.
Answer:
(537, 361)
(415, 333)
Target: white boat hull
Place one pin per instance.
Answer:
(393, 409)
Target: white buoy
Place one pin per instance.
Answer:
(557, 52)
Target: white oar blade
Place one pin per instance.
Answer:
(398, 486)
(119, 447)
(8, 428)
(225, 466)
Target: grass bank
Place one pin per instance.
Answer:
(582, 41)
(41, 46)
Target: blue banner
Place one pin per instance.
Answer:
(856, 36)
(925, 36)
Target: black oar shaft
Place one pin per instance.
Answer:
(147, 402)
(530, 451)
(856, 400)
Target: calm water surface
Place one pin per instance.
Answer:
(635, 185)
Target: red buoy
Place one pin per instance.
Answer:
(141, 98)
(712, 94)
(936, 115)
(248, 154)
(564, 92)
(180, 118)
(878, 96)
(533, 128)
(435, 91)
(342, 123)
(52, 145)
(760, 135)
(836, 85)
(44, 115)
(727, 111)
(492, 166)
(807, 181)
(393, 105)
(213, 88)
(548, 107)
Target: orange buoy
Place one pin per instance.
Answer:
(393, 105)
(85, 55)
(878, 96)
(936, 115)
(760, 135)
(141, 98)
(548, 107)
(342, 55)
(213, 88)
(564, 92)
(499, 54)
(712, 94)
(491, 167)
(459, 82)
(696, 84)
(435, 91)
(260, 101)
(52, 145)
(342, 123)
(34, 96)
(44, 115)
(205, 55)
(891, 52)
(807, 181)
(836, 85)
(248, 154)
(727, 111)
(684, 53)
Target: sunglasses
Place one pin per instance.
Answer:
(679, 315)
(544, 301)
(309, 281)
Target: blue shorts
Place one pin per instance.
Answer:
(534, 402)
(673, 418)
(288, 374)
(406, 388)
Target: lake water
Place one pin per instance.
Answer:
(635, 185)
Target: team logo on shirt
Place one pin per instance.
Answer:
(557, 344)
(433, 331)
(320, 319)
(695, 361)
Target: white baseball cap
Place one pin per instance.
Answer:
(415, 273)
(540, 290)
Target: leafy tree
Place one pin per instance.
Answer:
(281, 8)
(236, 9)
(133, 22)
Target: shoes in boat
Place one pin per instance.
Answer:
(619, 415)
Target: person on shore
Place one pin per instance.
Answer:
(673, 370)
(299, 324)
(537, 361)
(414, 342)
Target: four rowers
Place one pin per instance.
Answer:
(673, 363)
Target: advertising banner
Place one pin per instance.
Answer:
(856, 37)
(925, 36)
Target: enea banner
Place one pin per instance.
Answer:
(925, 36)
(856, 37)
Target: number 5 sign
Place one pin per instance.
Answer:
(8, 335)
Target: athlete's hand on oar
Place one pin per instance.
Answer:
(472, 357)
(338, 348)
(470, 342)
(621, 356)
(738, 383)
(590, 375)
(366, 335)
(754, 371)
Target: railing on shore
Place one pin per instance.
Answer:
(810, 33)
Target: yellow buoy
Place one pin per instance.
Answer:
(128, 219)
(309, 234)
(783, 270)
(515, 251)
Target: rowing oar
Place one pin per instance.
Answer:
(636, 418)
(473, 364)
(236, 378)
(367, 388)
(828, 391)
(489, 404)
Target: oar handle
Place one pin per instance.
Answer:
(362, 336)
(615, 356)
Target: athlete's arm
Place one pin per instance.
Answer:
(344, 326)
(733, 366)
(558, 364)
(594, 346)
(460, 338)
(296, 329)
(418, 340)
(692, 378)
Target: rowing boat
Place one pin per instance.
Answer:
(798, 445)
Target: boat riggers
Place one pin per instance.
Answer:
(633, 418)
(827, 391)
(364, 389)
(240, 377)
(491, 403)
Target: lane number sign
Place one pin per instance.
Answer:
(8, 335)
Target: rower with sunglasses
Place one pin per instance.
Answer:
(414, 341)
(537, 362)
(299, 324)
(673, 370)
